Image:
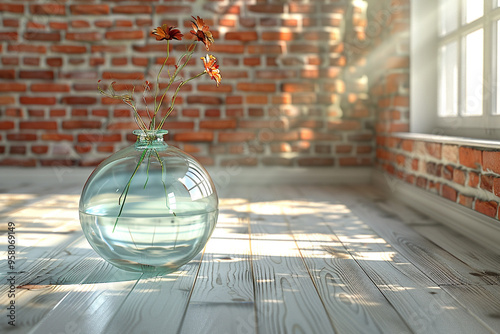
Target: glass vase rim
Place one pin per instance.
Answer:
(150, 132)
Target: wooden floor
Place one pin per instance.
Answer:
(283, 259)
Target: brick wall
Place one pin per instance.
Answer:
(293, 92)
(465, 174)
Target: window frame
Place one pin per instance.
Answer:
(426, 42)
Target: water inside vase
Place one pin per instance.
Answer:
(147, 243)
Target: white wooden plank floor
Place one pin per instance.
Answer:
(283, 259)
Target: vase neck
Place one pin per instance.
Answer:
(150, 138)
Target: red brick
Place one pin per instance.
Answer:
(12, 8)
(144, 22)
(18, 162)
(194, 136)
(31, 61)
(227, 48)
(407, 145)
(256, 87)
(27, 48)
(84, 36)
(123, 75)
(315, 162)
(266, 8)
(400, 159)
(83, 148)
(470, 157)
(274, 74)
(308, 134)
(21, 136)
(6, 125)
(173, 9)
(57, 137)
(14, 112)
(42, 36)
(10, 61)
(39, 149)
(43, 75)
(433, 149)
(264, 124)
(225, 22)
(89, 9)
(243, 36)
(132, 9)
(49, 87)
(71, 125)
(459, 176)
(449, 193)
(108, 48)
(38, 125)
(7, 74)
(124, 23)
(488, 208)
(48, 9)
(79, 100)
(279, 36)
(17, 149)
(466, 201)
(36, 113)
(234, 100)
(9, 36)
(99, 137)
(58, 25)
(487, 182)
(226, 137)
(213, 88)
(54, 62)
(37, 100)
(12, 87)
(71, 49)
(79, 113)
(204, 99)
(344, 125)
(298, 87)
(421, 182)
(218, 124)
(473, 179)
(124, 34)
(450, 153)
(264, 49)
(400, 127)
(491, 161)
(11, 23)
(448, 172)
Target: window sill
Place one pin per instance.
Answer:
(461, 141)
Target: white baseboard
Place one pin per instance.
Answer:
(479, 227)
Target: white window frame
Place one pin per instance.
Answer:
(426, 42)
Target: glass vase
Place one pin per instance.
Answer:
(150, 207)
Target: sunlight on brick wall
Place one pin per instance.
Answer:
(294, 91)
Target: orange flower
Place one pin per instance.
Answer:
(202, 32)
(211, 67)
(167, 33)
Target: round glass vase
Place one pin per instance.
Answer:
(150, 207)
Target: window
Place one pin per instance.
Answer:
(460, 87)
